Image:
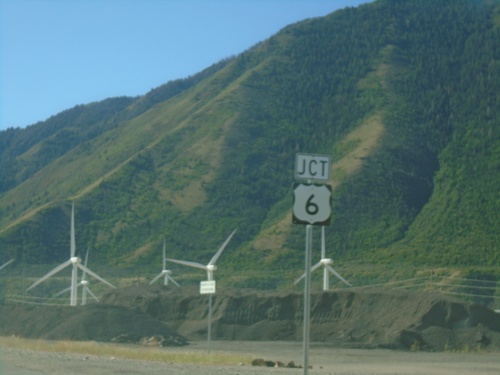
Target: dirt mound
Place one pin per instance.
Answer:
(94, 322)
(356, 318)
(348, 317)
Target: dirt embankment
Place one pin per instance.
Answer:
(93, 322)
(345, 318)
(349, 317)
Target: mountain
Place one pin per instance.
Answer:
(402, 95)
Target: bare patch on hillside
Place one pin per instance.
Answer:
(24, 217)
(273, 238)
(365, 138)
(143, 250)
(205, 152)
(197, 167)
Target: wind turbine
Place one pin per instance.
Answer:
(6, 264)
(84, 284)
(166, 273)
(73, 261)
(326, 263)
(210, 267)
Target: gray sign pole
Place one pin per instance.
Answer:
(209, 320)
(307, 298)
(312, 211)
(208, 287)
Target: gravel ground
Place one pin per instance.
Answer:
(323, 359)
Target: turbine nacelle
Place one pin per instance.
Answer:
(75, 260)
(326, 261)
(211, 267)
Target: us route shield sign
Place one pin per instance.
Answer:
(312, 204)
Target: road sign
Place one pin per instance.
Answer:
(312, 167)
(312, 204)
(207, 287)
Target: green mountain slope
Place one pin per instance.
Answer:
(403, 96)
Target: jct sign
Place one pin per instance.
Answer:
(312, 167)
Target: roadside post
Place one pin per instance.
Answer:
(208, 287)
(311, 206)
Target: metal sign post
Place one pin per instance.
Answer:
(208, 287)
(209, 335)
(311, 206)
(307, 299)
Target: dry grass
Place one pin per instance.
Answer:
(167, 355)
(366, 138)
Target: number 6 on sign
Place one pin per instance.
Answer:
(311, 204)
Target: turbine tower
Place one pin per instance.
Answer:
(210, 267)
(166, 273)
(326, 263)
(73, 261)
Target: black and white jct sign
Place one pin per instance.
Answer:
(312, 167)
(312, 204)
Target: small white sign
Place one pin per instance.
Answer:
(207, 287)
(312, 204)
(312, 167)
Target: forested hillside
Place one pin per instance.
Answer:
(402, 95)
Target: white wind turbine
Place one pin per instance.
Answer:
(6, 264)
(210, 267)
(166, 273)
(326, 263)
(83, 283)
(73, 261)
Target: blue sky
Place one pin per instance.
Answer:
(56, 54)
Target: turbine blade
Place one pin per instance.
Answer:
(73, 242)
(219, 252)
(189, 264)
(156, 278)
(86, 257)
(323, 245)
(316, 266)
(313, 268)
(300, 278)
(84, 273)
(6, 264)
(95, 275)
(49, 274)
(62, 291)
(92, 294)
(338, 275)
(172, 280)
